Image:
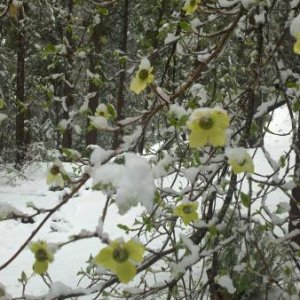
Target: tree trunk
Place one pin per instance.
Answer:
(120, 93)
(67, 135)
(91, 134)
(20, 96)
(294, 213)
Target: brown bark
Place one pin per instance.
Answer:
(67, 135)
(91, 135)
(294, 213)
(120, 93)
(20, 96)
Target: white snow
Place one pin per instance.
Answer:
(227, 3)
(295, 26)
(163, 167)
(226, 282)
(99, 122)
(2, 117)
(145, 64)
(99, 155)
(294, 3)
(260, 18)
(63, 124)
(7, 211)
(171, 38)
(129, 140)
(191, 173)
(133, 181)
(238, 154)
(187, 260)
(248, 3)
(58, 289)
(177, 110)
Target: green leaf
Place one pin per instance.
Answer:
(49, 50)
(213, 230)
(148, 223)
(124, 227)
(70, 153)
(2, 104)
(291, 84)
(186, 26)
(282, 160)
(246, 200)
(296, 106)
(105, 187)
(103, 11)
(23, 278)
(182, 121)
(157, 197)
(172, 120)
(111, 111)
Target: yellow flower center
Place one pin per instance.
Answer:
(54, 170)
(143, 74)
(101, 113)
(187, 209)
(120, 255)
(41, 255)
(206, 122)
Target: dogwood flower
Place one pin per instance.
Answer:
(43, 256)
(295, 31)
(239, 160)
(297, 46)
(208, 126)
(102, 111)
(187, 211)
(190, 6)
(121, 257)
(143, 77)
(56, 173)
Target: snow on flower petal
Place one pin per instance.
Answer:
(187, 211)
(121, 257)
(102, 111)
(99, 122)
(239, 160)
(191, 6)
(143, 77)
(208, 126)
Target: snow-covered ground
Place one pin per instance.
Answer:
(83, 212)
